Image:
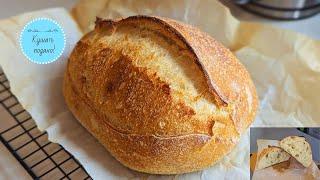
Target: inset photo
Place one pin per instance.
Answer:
(284, 153)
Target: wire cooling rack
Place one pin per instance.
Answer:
(41, 158)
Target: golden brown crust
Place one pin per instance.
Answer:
(227, 78)
(151, 153)
(132, 112)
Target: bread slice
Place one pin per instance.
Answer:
(298, 148)
(271, 156)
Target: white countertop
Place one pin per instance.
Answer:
(15, 7)
(309, 26)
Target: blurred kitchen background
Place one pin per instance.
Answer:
(285, 9)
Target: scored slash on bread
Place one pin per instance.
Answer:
(271, 156)
(161, 96)
(298, 148)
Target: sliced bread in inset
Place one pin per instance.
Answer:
(271, 156)
(298, 148)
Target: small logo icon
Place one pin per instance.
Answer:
(42, 40)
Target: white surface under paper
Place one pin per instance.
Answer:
(285, 69)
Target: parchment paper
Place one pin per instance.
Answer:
(284, 66)
(293, 171)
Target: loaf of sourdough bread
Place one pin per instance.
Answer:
(270, 156)
(298, 148)
(161, 96)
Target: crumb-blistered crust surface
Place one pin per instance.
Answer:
(134, 113)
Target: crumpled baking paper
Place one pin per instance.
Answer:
(292, 170)
(284, 66)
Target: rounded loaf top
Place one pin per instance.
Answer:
(161, 96)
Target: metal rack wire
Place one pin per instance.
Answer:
(41, 158)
